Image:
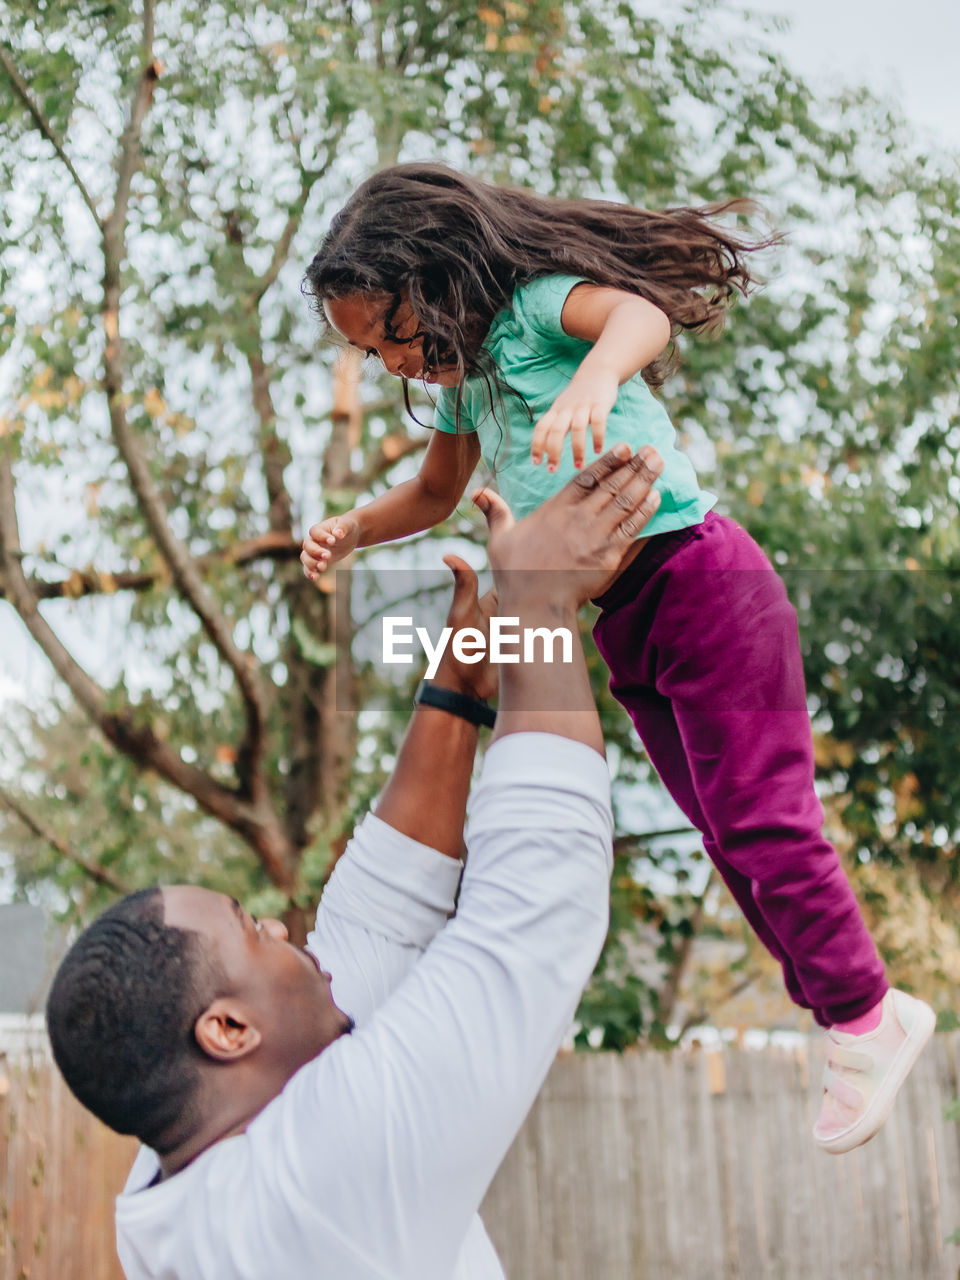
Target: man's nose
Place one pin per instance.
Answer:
(276, 929)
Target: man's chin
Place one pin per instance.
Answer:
(348, 1027)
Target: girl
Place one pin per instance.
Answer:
(542, 318)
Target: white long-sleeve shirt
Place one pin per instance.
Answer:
(372, 1162)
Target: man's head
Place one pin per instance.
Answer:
(176, 1015)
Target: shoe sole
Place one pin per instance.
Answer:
(879, 1109)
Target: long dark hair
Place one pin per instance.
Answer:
(455, 248)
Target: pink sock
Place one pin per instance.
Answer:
(868, 1021)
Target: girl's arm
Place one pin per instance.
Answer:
(627, 333)
(426, 500)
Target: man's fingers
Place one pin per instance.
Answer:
(498, 514)
(464, 578)
(489, 602)
(590, 477)
(635, 497)
(615, 486)
(634, 521)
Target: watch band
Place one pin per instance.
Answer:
(458, 704)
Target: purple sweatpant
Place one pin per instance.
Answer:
(703, 651)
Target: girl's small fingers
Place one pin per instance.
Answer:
(554, 442)
(598, 430)
(538, 439)
(578, 433)
(321, 537)
(578, 440)
(580, 417)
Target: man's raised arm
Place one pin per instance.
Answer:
(426, 796)
(392, 891)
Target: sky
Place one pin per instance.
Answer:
(905, 52)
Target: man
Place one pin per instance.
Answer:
(279, 1145)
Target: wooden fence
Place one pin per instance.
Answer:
(640, 1167)
(690, 1165)
(59, 1172)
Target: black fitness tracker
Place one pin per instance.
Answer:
(458, 704)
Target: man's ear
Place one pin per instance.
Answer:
(224, 1032)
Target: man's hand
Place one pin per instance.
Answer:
(581, 533)
(477, 680)
(585, 402)
(546, 566)
(327, 542)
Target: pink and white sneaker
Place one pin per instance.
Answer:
(864, 1073)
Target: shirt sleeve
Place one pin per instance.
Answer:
(411, 1116)
(445, 413)
(391, 884)
(389, 895)
(539, 305)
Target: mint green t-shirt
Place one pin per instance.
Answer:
(537, 359)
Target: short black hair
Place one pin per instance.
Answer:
(121, 1013)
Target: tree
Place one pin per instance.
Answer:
(171, 165)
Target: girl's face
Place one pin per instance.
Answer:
(359, 319)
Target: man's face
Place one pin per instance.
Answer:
(277, 988)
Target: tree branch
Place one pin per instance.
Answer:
(275, 452)
(21, 89)
(392, 449)
(418, 593)
(281, 250)
(623, 843)
(90, 581)
(700, 1017)
(182, 566)
(100, 874)
(256, 823)
(308, 177)
(128, 160)
(671, 987)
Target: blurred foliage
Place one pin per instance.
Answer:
(825, 416)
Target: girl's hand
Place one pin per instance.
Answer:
(585, 402)
(327, 542)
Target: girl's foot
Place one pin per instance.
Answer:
(864, 1072)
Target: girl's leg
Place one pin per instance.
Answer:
(712, 631)
(652, 716)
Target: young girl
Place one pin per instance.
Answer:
(542, 318)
